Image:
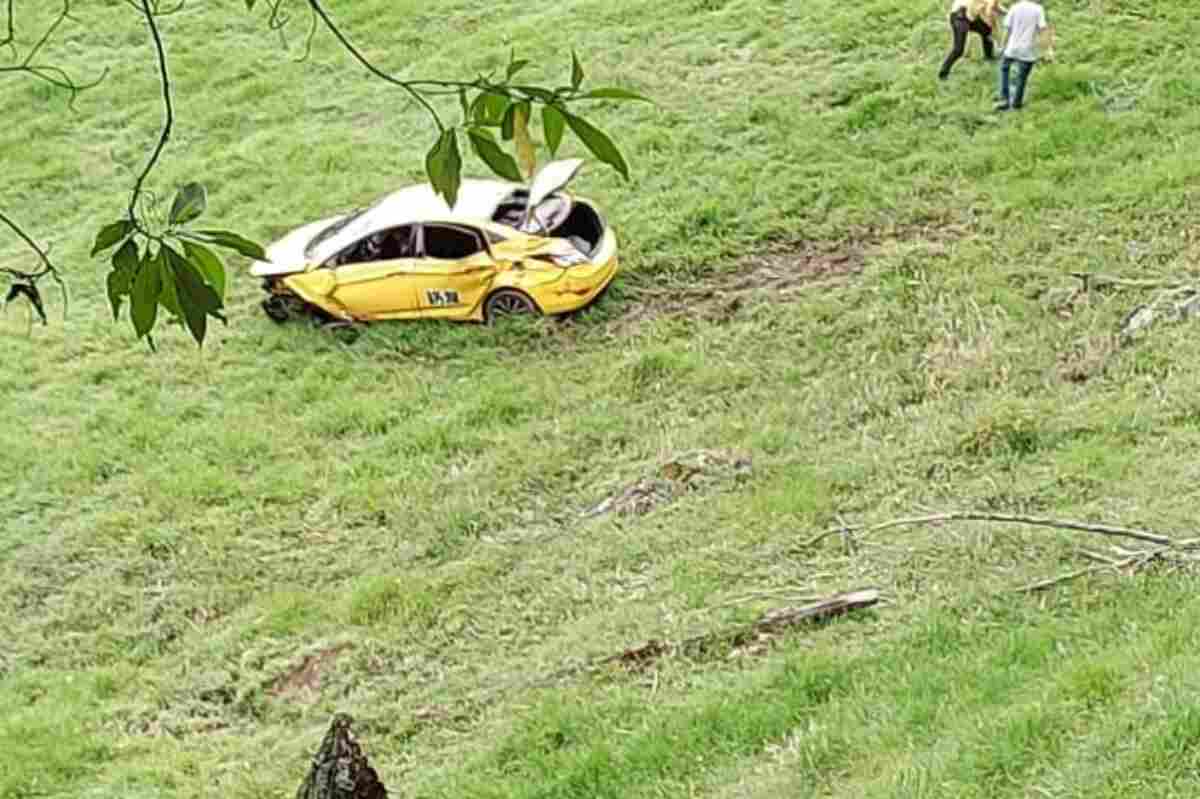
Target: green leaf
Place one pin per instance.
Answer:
(120, 279)
(599, 143)
(167, 296)
(143, 300)
(526, 154)
(250, 4)
(125, 259)
(488, 108)
(500, 162)
(118, 287)
(111, 234)
(444, 166)
(576, 71)
(515, 67)
(553, 125)
(227, 240)
(197, 300)
(613, 93)
(209, 264)
(189, 203)
(506, 124)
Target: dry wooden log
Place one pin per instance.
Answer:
(769, 624)
(775, 620)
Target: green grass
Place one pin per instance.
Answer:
(180, 531)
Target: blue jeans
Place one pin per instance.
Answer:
(1017, 98)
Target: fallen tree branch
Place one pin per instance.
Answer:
(1100, 557)
(1092, 280)
(1163, 307)
(834, 606)
(1133, 560)
(976, 516)
(770, 623)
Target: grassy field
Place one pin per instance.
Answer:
(204, 554)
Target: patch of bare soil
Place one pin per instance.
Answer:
(775, 276)
(682, 474)
(305, 679)
(779, 273)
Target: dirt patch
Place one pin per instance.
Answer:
(775, 275)
(305, 679)
(682, 474)
(780, 273)
(1086, 359)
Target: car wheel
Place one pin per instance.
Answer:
(282, 307)
(276, 308)
(507, 303)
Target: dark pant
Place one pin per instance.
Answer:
(961, 26)
(1016, 98)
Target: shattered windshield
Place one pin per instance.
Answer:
(332, 230)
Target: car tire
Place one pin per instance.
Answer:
(507, 303)
(282, 307)
(276, 309)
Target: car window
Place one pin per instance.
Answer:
(384, 245)
(452, 243)
(331, 230)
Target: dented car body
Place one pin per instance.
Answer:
(504, 248)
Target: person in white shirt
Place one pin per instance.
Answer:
(1025, 22)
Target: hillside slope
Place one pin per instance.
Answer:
(847, 297)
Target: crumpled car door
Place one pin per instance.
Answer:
(452, 286)
(378, 287)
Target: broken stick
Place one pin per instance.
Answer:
(1134, 560)
(976, 516)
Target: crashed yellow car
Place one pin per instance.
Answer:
(503, 249)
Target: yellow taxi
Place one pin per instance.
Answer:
(504, 249)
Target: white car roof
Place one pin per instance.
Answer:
(477, 200)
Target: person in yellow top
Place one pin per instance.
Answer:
(966, 16)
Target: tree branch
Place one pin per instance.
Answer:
(62, 17)
(10, 36)
(1133, 560)
(169, 121)
(408, 86)
(55, 76)
(47, 266)
(29, 280)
